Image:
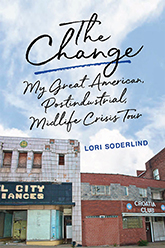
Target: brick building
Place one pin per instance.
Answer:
(155, 167)
(44, 199)
(40, 199)
(120, 209)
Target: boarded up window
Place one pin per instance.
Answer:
(7, 159)
(100, 190)
(39, 224)
(132, 222)
(37, 160)
(52, 141)
(71, 142)
(22, 160)
(47, 147)
(61, 159)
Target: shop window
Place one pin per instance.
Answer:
(61, 159)
(132, 222)
(22, 162)
(59, 224)
(7, 156)
(100, 190)
(37, 160)
(156, 174)
(142, 192)
(125, 190)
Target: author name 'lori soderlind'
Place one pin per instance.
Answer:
(117, 145)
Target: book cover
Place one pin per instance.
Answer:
(85, 70)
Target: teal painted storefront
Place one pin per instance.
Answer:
(5, 224)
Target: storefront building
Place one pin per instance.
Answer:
(121, 210)
(155, 167)
(45, 200)
(40, 199)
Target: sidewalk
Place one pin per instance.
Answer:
(23, 245)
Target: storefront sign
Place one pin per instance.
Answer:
(146, 206)
(35, 193)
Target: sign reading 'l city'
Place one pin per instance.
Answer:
(22, 192)
(35, 193)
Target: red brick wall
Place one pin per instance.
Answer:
(107, 179)
(138, 172)
(100, 207)
(107, 231)
(100, 231)
(132, 236)
(157, 162)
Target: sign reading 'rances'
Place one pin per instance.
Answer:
(12, 193)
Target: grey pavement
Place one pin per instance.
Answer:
(23, 245)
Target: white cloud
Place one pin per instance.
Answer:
(12, 132)
(122, 160)
(24, 21)
(9, 10)
(154, 131)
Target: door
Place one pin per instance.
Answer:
(148, 231)
(8, 225)
(68, 228)
(159, 229)
(2, 218)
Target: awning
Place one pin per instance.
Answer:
(144, 214)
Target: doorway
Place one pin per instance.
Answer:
(68, 228)
(19, 225)
(148, 231)
(159, 228)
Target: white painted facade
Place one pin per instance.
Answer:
(50, 170)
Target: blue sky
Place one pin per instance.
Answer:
(130, 24)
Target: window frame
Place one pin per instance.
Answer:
(61, 161)
(156, 174)
(125, 190)
(105, 191)
(35, 165)
(25, 164)
(143, 192)
(137, 222)
(4, 154)
(157, 195)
